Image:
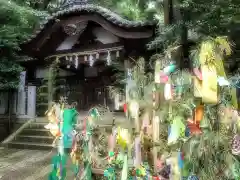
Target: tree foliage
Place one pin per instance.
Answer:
(201, 18)
(17, 23)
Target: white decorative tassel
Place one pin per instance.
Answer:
(70, 58)
(117, 54)
(91, 60)
(76, 61)
(109, 58)
(97, 56)
(168, 91)
(85, 58)
(66, 58)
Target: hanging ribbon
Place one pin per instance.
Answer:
(157, 71)
(168, 91)
(124, 175)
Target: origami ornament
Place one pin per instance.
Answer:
(193, 128)
(169, 69)
(236, 145)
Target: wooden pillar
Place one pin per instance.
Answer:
(50, 86)
(127, 71)
(52, 74)
(31, 103)
(21, 110)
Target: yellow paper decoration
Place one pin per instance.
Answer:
(209, 84)
(197, 87)
(142, 171)
(123, 137)
(175, 170)
(210, 58)
(134, 108)
(209, 73)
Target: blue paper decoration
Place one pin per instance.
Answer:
(180, 160)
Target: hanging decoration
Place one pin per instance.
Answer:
(117, 54)
(73, 59)
(69, 140)
(76, 62)
(169, 130)
(91, 60)
(109, 58)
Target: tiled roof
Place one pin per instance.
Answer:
(90, 8)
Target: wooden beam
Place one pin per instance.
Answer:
(87, 48)
(54, 41)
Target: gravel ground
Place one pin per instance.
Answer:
(24, 164)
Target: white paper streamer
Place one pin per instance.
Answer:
(109, 58)
(97, 56)
(168, 91)
(91, 60)
(137, 159)
(85, 58)
(76, 61)
(117, 54)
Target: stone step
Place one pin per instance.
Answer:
(29, 145)
(35, 139)
(37, 131)
(38, 125)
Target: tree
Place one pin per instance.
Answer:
(201, 19)
(17, 23)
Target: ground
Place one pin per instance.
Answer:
(24, 164)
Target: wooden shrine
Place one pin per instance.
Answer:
(74, 48)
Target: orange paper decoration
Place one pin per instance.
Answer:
(199, 113)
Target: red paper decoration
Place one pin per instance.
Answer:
(125, 107)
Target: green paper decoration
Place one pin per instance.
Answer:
(125, 168)
(94, 113)
(111, 154)
(177, 130)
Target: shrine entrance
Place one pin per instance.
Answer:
(89, 88)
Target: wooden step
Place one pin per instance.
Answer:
(38, 125)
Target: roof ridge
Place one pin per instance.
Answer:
(72, 3)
